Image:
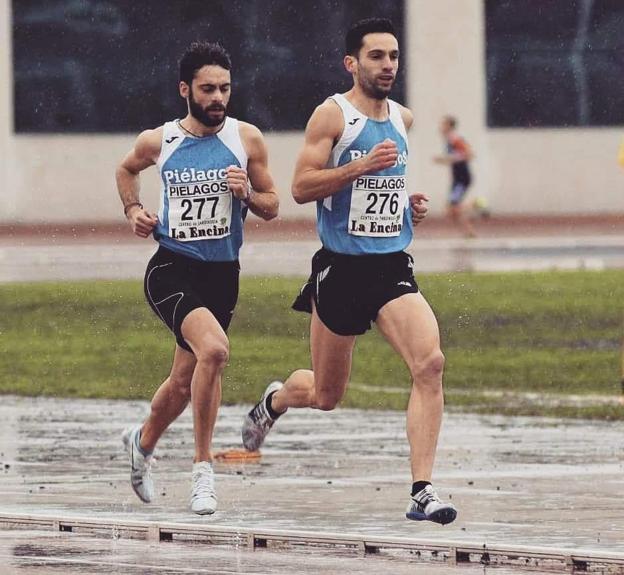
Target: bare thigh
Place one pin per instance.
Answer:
(331, 362)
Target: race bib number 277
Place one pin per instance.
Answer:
(200, 210)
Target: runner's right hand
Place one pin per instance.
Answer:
(141, 221)
(383, 155)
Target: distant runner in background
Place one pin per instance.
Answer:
(458, 154)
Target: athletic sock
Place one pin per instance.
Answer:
(137, 444)
(272, 413)
(418, 486)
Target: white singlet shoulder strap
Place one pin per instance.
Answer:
(354, 122)
(396, 119)
(230, 136)
(172, 137)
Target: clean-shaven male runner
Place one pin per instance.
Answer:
(353, 166)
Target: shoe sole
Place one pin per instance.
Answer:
(250, 443)
(204, 512)
(442, 516)
(127, 441)
(138, 494)
(253, 446)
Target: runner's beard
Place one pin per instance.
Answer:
(372, 90)
(204, 116)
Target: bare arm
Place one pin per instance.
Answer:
(312, 180)
(262, 198)
(461, 153)
(144, 154)
(408, 117)
(418, 200)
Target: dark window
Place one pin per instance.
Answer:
(555, 62)
(112, 65)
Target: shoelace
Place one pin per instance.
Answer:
(145, 466)
(142, 463)
(261, 417)
(426, 497)
(203, 484)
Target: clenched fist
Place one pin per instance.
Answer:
(383, 155)
(418, 203)
(238, 182)
(141, 221)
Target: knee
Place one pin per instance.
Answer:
(213, 353)
(428, 371)
(326, 403)
(303, 376)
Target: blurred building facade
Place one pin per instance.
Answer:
(539, 95)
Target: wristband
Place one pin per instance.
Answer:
(131, 204)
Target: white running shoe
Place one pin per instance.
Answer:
(427, 506)
(258, 422)
(203, 496)
(140, 474)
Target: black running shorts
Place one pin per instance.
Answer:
(349, 291)
(176, 284)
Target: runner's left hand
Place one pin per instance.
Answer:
(418, 203)
(238, 182)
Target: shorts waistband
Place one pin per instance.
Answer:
(183, 259)
(360, 257)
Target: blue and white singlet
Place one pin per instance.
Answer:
(198, 216)
(371, 215)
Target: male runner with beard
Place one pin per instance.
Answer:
(353, 166)
(212, 168)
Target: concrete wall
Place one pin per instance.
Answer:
(7, 196)
(446, 75)
(555, 171)
(62, 178)
(68, 178)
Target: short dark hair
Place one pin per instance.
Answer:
(368, 26)
(451, 121)
(200, 54)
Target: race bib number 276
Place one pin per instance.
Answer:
(377, 206)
